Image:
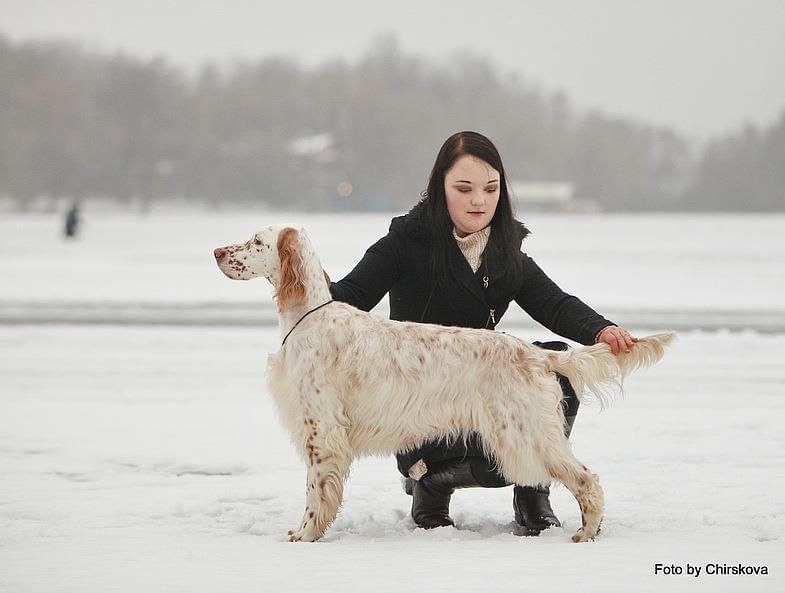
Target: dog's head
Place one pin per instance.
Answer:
(260, 255)
(275, 253)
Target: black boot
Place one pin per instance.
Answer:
(533, 512)
(431, 494)
(431, 501)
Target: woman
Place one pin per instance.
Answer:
(455, 260)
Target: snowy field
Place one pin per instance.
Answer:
(149, 458)
(718, 262)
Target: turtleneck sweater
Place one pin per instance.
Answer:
(473, 245)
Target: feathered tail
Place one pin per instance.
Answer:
(597, 370)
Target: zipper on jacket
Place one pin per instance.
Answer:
(491, 312)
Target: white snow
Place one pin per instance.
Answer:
(712, 261)
(150, 458)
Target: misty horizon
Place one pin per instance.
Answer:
(704, 69)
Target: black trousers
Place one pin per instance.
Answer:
(439, 450)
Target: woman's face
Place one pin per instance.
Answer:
(471, 187)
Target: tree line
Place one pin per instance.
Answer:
(359, 136)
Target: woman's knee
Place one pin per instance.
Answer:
(553, 345)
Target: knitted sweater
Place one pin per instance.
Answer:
(473, 245)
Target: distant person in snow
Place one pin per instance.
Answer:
(72, 221)
(455, 260)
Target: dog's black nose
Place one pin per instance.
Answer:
(218, 253)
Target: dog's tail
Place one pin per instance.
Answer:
(596, 369)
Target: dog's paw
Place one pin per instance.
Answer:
(302, 535)
(583, 535)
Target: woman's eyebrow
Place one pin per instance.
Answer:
(469, 182)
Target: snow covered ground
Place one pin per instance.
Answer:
(150, 458)
(718, 262)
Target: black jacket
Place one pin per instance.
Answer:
(398, 264)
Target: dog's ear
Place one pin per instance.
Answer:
(326, 278)
(291, 291)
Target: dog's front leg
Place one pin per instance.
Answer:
(327, 471)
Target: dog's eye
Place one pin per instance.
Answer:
(258, 242)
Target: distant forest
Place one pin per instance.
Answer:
(353, 136)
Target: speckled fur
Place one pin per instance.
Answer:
(348, 383)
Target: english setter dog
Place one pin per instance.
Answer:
(348, 383)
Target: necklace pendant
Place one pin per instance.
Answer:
(485, 281)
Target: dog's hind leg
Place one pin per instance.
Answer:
(525, 434)
(585, 487)
(518, 428)
(328, 468)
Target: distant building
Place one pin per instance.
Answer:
(319, 147)
(543, 195)
(321, 169)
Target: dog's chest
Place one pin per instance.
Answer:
(288, 389)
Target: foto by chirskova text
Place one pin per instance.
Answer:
(709, 569)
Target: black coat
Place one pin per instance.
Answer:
(398, 264)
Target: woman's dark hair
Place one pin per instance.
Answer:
(506, 232)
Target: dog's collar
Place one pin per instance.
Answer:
(303, 317)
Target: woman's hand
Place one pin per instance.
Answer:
(618, 338)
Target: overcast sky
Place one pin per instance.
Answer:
(702, 66)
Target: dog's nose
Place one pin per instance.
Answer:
(218, 253)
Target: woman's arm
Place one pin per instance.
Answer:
(373, 276)
(560, 312)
